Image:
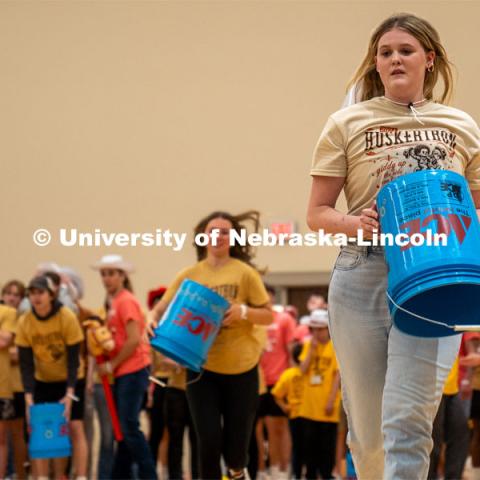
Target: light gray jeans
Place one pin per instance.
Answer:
(391, 382)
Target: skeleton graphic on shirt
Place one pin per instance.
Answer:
(426, 159)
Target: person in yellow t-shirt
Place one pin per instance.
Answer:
(48, 338)
(450, 427)
(223, 400)
(288, 393)
(158, 438)
(320, 406)
(13, 292)
(94, 387)
(8, 316)
(471, 387)
(177, 417)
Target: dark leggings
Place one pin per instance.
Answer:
(298, 451)
(320, 439)
(157, 418)
(178, 418)
(450, 426)
(223, 409)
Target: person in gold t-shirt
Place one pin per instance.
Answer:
(8, 316)
(13, 292)
(223, 400)
(177, 419)
(158, 438)
(320, 405)
(288, 393)
(450, 427)
(48, 338)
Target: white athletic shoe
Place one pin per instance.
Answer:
(162, 472)
(282, 475)
(475, 473)
(243, 475)
(274, 472)
(263, 475)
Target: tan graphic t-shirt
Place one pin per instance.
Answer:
(373, 142)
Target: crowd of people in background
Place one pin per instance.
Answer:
(267, 403)
(300, 428)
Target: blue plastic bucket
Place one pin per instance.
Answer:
(49, 433)
(190, 324)
(440, 283)
(351, 473)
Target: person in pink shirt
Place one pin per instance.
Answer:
(129, 363)
(275, 359)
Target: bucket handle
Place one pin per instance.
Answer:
(163, 384)
(456, 328)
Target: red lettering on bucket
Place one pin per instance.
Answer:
(196, 330)
(195, 324)
(445, 224)
(183, 320)
(460, 232)
(442, 223)
(209, 328)
(64, 429)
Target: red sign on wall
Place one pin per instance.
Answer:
(282, 227)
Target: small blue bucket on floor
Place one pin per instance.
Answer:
(351, 473)
(49, 433)
(190, 324)
(433, 290)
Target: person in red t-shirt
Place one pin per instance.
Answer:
(275, 359)
(129, 362)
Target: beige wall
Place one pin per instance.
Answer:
(131, 116)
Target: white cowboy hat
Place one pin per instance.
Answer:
(114, 261)
(318, 319)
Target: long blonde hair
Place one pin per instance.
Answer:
(366, 80)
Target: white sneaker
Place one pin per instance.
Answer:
(475, 473)
(274, 472)
(277, 474)
(162, 472)
(243, 475)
